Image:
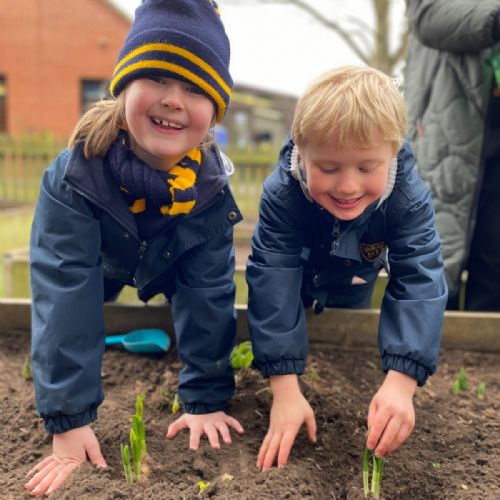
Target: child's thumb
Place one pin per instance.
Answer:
(95, 456)
(311, 428)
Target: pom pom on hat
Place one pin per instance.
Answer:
(182, 39)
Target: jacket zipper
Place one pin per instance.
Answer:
(143, 245)
(335, 238)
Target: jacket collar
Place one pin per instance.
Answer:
(93, 180)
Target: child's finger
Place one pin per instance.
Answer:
(372, 411)
(401, 437)
(234, 424)
(61, 477)
(40, 475)
(263, 450)
(286, 444)
(39, 466)
(212, 434)
(224, 431)
(377, 427)
(95, 456)
(310, 422)
(175, 427)
(390, 432)
(194, 438)
(47, 481)
(272, 451)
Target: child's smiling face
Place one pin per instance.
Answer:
(166, 118)
(345, 181)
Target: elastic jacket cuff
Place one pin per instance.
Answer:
(202, 408)
(407, 366)
(281, 367)
(62, 423)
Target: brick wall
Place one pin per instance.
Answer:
(46, 48)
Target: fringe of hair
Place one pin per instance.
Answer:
(348, 104)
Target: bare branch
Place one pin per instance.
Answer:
(371, 45)
(401, 51)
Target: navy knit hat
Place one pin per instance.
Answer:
(182, 39)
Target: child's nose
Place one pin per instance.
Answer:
(172, 97)
(347, 184)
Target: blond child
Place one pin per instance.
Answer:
(345, 201)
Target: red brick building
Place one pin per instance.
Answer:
(56, 57)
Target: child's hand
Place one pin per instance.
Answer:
(289, 411)
(210, 424)
(391, 416)
(70, 449)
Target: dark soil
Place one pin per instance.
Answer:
(453, 452)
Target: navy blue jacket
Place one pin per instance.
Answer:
(302, 255)
(84, 240)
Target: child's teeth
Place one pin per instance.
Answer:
(165, 123)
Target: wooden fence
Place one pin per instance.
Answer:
(23, 161)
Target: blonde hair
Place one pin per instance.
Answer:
(349, 104)
(98, 128)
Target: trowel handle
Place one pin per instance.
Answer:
(115, 339)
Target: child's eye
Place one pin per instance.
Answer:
(366, 169)
(193, 89)
(328, 170)
(157, 79)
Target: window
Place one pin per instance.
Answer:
(93, 91)
(3, 105)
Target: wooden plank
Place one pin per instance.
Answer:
(339, 327)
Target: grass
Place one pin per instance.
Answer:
(15, 228)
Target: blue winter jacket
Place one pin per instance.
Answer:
(84, 241)
(302, 255)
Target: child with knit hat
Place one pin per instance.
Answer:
(139, 198)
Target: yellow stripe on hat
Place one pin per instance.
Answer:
(175, 68)
(173, 49)
(178, 207)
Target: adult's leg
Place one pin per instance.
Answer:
(483, 283)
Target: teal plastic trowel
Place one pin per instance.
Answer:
(146, 341)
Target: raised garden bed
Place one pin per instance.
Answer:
(451, 454)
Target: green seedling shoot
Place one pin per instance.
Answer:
(377, 472)
(132, 466)
(462, 380)
(127, 468)
(461, 383)
(242, 355)
(481, 390)
(26, 370)
(378, 469)
(176, 404)
(202, 486)
(366, 472)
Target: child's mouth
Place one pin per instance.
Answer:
(346, 204)
(167, 125)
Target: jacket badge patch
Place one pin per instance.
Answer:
(372, 251)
